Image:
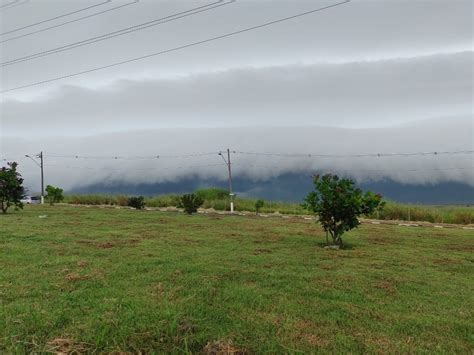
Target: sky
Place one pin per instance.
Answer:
(362, 77)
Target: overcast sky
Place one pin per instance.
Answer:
(363, 77)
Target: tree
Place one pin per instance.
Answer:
(258, 204)
(339, 203)
(54, 194)
(136, 202)
(190, 203)
(11, 188)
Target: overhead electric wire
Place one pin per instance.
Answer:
(360, 170)
(54, 18)
(138, 169)
(13, 4)
(71, 21)
(375, 155)
(121, 32)
(193, 44)
(8, 4)
(118, 157)
(280, 155)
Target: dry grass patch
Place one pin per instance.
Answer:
(222, 347)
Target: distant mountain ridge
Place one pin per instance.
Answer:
(293, 188)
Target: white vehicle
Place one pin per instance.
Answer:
(26, 200)
(29, 200)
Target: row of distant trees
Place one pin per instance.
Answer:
(336, 201)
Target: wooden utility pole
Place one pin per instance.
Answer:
(229, 169)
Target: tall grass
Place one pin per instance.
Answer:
(434, 214)
(218, 200)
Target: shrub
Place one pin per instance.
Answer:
(11, 188)
(190, 203)
(338, 204)
(137, 202)
(55, 194)
(258, 204)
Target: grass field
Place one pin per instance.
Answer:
(218, 199)
(104, 280)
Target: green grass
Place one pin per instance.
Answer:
(213, 198)
(123, 280)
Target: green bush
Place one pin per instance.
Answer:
(54, 194)
(258, 205)
(137, 202)
(190, 203)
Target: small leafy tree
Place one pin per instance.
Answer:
(54, 194)
(11, 188)
(258, 204)
(339, 203)
(137, 202)
(190, 203)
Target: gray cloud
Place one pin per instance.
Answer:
(318, 140)
(360, 94)
(370, 76)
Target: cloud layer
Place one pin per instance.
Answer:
(72, 172)
(355, 94)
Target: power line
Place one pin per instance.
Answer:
(117, 33)
(215, 153)
(193, 44)
(363, 170)
(373, 155)
(281, 155)
(8, 4)
(119, 157)
(71, 21)
(55, 18)
(13, 4)
(138, 169)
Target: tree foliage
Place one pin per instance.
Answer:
(258, 204)
(190, 203)
(54, 194)
(339, 203)
(137, 202)
(11, 188)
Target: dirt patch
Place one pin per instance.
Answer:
(262, 251)
(446, 261)
(190, 241)
(109, 244)
(82, 263)
(380, 240)
(389, 286)
(74, 277)
(185, 326)
(222, 347)
(158, 289)
(463, 248)
(306, 331)
(62, 346)
(106, 245)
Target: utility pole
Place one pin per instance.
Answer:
(42, 177)
(41, 166)
(229, 168)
